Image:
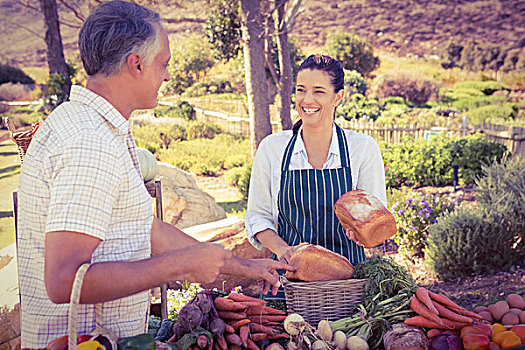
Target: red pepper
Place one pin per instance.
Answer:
(475, 342)
(83, 338)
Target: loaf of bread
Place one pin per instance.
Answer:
(316, 263)
(364, 214)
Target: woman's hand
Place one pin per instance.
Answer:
(285, 253)
(351, 236)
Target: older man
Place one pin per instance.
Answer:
(82, 198)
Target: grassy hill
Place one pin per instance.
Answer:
(400, 27)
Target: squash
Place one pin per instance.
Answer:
(148, 164)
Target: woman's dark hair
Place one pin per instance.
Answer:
(327, 64)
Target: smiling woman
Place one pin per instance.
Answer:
(297, 175)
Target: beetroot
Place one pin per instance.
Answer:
(445, 341)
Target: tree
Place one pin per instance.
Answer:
(55, 52)
(253, 47)
(353, 52)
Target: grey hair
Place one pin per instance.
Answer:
(113, 31)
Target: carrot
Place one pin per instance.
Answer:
(217, 347)
(433, 332)
(422, 310)
(424, 322)
(242, 297)
(467, 313)
(271, 318)
(264, 310)
(233, 339)
(279, 336)
(235, 347)
(251, 345)
(230, 315)
(222, 343)
(422, 295)
(224, 304)
(440, 298)
(451, 315)
(228, 328)
(270, 323)
(258, 336)
(259, 328)
(244, 332)
(240, 323)
(451, 324)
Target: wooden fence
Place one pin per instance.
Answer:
(237, 122)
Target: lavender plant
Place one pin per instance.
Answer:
(414, 214)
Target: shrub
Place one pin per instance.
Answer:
(209, 86)
(414, 214)
(468, 241)
(467, 103)
(182, 109)
(353, 52)
(502, 190)
(411, 86)
(13, 75)
(200, 130)
(13, 92)
(358, 107)
(240, 178)
(355, 83)
(422, 163)
(486, 87)
(23, 116)
(485, 113)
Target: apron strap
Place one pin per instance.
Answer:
(288, 153)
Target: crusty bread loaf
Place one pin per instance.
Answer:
(364, 214)
(315, 263)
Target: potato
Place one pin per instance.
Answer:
(522, 317)
(499, 309)
(510, 318)
(487, 316)
(480, 308)
(515, 300)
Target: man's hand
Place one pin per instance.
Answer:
(204, 261)
(351, 236)
(265, 271)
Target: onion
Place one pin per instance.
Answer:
(356, 343)
(320, 345)
(325, 331)
(294, 324)
(340, 340)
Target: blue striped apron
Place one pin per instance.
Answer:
(306, 203)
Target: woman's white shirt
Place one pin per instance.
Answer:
(366, 162)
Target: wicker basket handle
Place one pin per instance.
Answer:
(73, 308)
(9, 125)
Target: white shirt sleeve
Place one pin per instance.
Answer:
(259, 215)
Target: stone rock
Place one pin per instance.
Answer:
(184, 203)
(9, 300)
(230, 232)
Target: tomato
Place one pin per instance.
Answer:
(520, 332)
(497, 328)
(59, 343)
(83, 338)
(90, 345)
(475, 341)
(476, 329)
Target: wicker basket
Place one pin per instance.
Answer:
(317, 301)
(21, 138)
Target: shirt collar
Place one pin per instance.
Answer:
(334, 145)
(102, 106)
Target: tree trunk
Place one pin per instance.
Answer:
(256, 89)
(285, 67)
(55, 51)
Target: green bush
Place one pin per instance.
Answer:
(423, 163)
(202, 130)
(411, 86)
(358, 107)
(244, 182)
(240, 178)
(355, 83)
(23, 116)
(209, 86)
(486, 87)
(181, 109)
(468, 241)
(468, 103)
(206, 156)
(13, 75)
(502, 190)
(486, 113)
(414, 214)
(353, 52)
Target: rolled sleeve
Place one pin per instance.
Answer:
(259, 214)
(84, 190)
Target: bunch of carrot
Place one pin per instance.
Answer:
(436, 311)
(248, 320)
